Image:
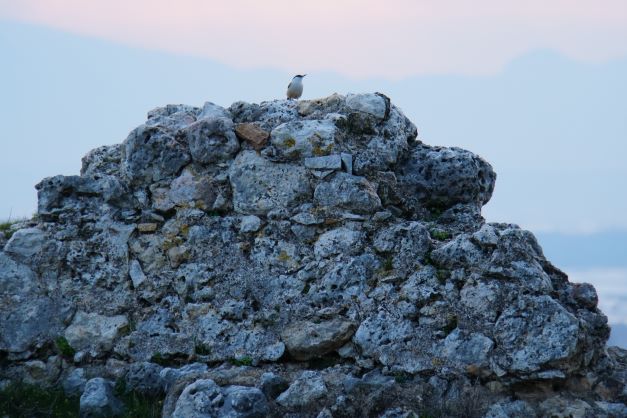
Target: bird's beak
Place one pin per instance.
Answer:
(304, 75)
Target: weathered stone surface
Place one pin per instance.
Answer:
(74, 383)
(152, 154)
(28, 318)
(147, 227)
(441, 177)
(250, 223)
(145, 378)
(338, 241)
(304, 391)
(509, 409)
(395, 342)
(211, 111)
(373, 104)
(273, 385)
(25, 242)
(169, 376)
(467, 350)
(307, 340)
(529, 342)
(98, 400)
(306, 138)
(93, 332)
(406, 244)
(211, 140)
(260, 186)
(201, 399)
(348, 192)
(137, 274)
(563, 407)
(244, 402)
(65, 197)
(328, 162)
(102, 160)
(187, 190)
(253, 134)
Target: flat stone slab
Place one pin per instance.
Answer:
(327, 162)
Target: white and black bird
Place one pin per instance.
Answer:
(295, 88)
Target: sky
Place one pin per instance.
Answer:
(410, 37)
(537, 88)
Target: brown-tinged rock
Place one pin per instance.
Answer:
(253, 134)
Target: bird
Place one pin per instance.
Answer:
(295, 88)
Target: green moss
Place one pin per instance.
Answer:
(451, 324)
(141, 406)
(442, 275)
(64, 348)
(428, 261)
(137, 405)
(439, 234)
(159, 359)
(306, 289)
(26, 401)
(5, 229)
(388, 264)
(401, 377)
(242, 361)
(21, 400)
(202, 350)
(436, 208)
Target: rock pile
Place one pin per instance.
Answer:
(297, 259)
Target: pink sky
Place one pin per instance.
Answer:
(359, 38)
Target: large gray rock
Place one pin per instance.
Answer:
(102, 160)
(373, 104)
(98, 400)
(145, 378)
(74, 383)
(25, 242)
(201, 399)
(306, 340)
(243, 402)
(169, 376)
(305, 390)
(508, 409)
(93, 332)
(307, 138)
(536, 333)
(260, 186)
(338, 241)
(438, 177)
(28, 318)
(406, 244)
(348, 192)
(87, 197)
(152, 153)
(187, 190)
(211, 140)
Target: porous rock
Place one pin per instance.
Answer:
(184, 263)
(98, 400)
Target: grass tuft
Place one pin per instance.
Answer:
(21, 401)
(64, 348)
(242, 361)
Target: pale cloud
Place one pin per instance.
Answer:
(363, 38)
